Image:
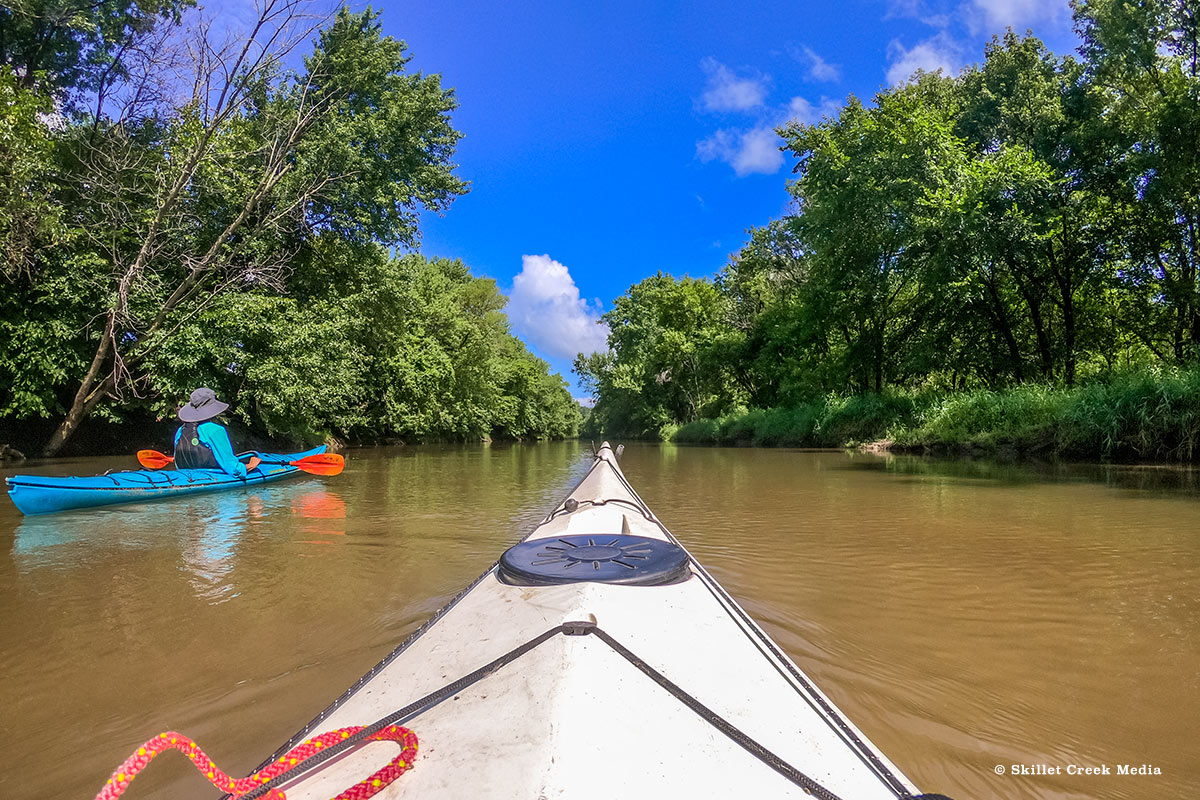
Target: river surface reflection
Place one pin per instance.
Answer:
(965, 615)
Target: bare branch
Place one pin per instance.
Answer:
(181, 85)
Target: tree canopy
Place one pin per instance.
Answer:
(1032, 219)
(182, 207)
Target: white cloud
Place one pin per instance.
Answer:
(818, 68)
(904, 8)
(754, 147)
(721, 145)
(759, 152)
(918, 10)
(960, 24)
(993, 16)
(727, 92)
(546, 310)
(748, 152)
(937, 53)
(756, 150)
(802, 110)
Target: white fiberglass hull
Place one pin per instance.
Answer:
(574, 717)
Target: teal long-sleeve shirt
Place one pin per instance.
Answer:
(215, 437)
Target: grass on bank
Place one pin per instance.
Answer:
(1150, 416)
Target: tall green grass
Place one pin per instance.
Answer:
(830, 422)
(1143, 416)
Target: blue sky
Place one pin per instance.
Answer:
(605, 141)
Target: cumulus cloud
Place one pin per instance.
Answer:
(818, 68)
(968, 20)
(992, 16)
(753, 148)
(756, 150)
(725, 91)
(804, 111)
(546, 310)
(905, 8)
(748, 152)
(937, 53)
(918, 10)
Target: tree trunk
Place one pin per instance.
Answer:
(91, 390)
(80, 409)
(879, 358)
(1188, 270)
(1066, 291)
(1006, 331)
(1034, 304)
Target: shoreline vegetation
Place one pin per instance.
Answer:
(1003, 261)
(185, 204)
(1146, 417)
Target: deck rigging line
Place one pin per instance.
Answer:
(831, 715)
(584, 628)
(588, 628)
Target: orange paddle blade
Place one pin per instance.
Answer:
(152, 459)
(321, 464)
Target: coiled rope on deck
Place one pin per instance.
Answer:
(290, 761)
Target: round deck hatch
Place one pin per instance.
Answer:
(600, 558)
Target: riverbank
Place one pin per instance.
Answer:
(106, 438)
(1145, 417)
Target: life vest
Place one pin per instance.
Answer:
(190, 452)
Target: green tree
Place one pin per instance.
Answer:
(78, 48)
(30, 220)
(373, 347)
(665, 367)
(763, 285)
(247, 237)
(1041, 218)
(219, 194)
(1143, 59)
(862, 182)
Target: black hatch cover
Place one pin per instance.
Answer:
(596, 557)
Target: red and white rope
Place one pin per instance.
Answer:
(171, 740)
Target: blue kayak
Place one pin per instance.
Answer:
(40, 494)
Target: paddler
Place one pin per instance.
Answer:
(203, 444)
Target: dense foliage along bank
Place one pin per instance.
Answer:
(1033, 220)
(1135, 417)
(179, 209)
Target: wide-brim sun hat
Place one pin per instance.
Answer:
(202, 405)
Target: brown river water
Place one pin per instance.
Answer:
(967, 616)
